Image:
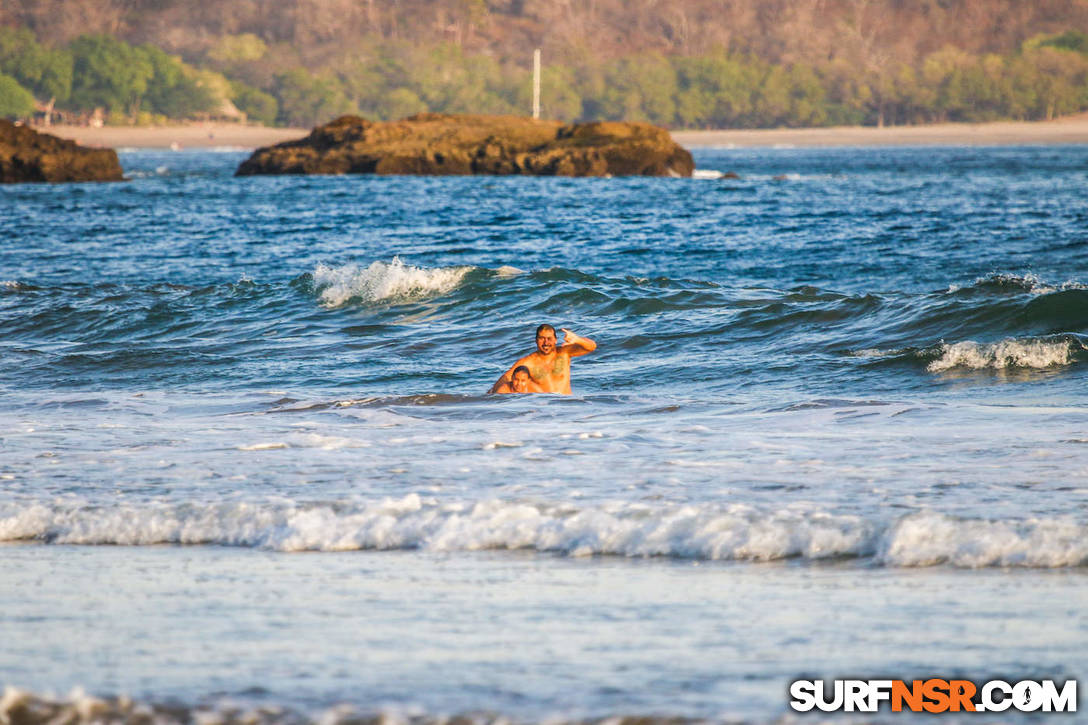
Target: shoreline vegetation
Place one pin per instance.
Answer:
(1067, 130)
(98, 79)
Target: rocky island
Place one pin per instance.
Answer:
(445, 144)
(26, 155)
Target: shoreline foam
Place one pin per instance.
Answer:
(727, 532)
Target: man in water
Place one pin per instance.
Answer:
(520, 382)
(549, 365)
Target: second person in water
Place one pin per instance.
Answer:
(547, 367)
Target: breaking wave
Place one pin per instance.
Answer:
(733, 532)
(1036, 354)
(1046, 353)
(394, 281)
(1007, 282)
(281, 330)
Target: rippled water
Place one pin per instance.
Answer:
(836, 397)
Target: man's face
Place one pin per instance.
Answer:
(520, 382)
(545, 341)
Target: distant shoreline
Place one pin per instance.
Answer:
(1070, 130)
(210, 135)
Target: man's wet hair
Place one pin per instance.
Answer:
(544, 327)
(521, 369)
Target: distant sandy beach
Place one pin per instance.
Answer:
(1070, 130)
(210, 135)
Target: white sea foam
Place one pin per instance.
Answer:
(928, 539)
(876, 353)
(324, 442)
(701, 532)
(1031, 282)
(731, 532)
(395, 281)
(270, 446)
(308, 440)
(1003, 354)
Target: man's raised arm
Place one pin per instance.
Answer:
(575, 345)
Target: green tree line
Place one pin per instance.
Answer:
(1045, 78)
(131, 83)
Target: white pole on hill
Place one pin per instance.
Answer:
(536, 83)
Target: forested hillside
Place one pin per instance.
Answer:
(681, 63)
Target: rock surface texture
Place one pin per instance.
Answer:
(440, 144)
(26, 155)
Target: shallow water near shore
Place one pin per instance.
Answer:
(539, 636)
(835, 427)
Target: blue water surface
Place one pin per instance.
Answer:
(833, 398)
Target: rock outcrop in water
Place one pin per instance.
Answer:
(26, 155)
(442, 144)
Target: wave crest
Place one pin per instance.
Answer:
(701, 532)
(1037, 354)
(687, 532)
(395, 281)
(928, 539)
(1028, 282)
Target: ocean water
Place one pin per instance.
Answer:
(836, 426)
